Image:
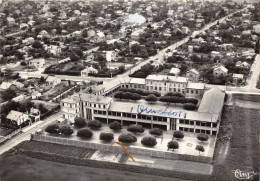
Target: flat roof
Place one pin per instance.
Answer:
(193, 85)
(177, 112)
(137, 81)
(166, 78)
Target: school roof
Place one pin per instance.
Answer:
(137, 81)
(193, 85)
(166, 78)
(212, 101)
(94, 98)
(132, 107)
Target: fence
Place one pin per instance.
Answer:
(132, 149)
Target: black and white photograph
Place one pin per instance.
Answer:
(129, 90)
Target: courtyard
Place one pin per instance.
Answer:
(187, 145)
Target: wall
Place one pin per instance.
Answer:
(132, 150)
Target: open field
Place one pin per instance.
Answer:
(242, 150)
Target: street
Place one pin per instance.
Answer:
(255, 73)
(27, 131)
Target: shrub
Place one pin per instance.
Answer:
(178, 134)
(202, 137)
(174, 94)
(191, 100)
(151, 98)
(94, 124)
(84, 133)
(52, 128)
(149, 141)
(173, 145)
(135, 128)
(127, 138)
(66, 130)
(79, 122)
(106, 136)
(189, 106)
(115, 126)
(23, 63)
(200, 148)
(156, 131)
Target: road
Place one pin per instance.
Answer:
(255, 73)
(27, 131)
(172, 47)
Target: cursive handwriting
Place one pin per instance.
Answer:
(142, 109)
(242, 174)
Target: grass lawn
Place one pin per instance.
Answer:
(5, 131)
(243, 151)
(31, 169)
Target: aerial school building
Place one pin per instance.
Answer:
(99, 106)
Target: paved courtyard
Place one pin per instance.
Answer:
(186, 145)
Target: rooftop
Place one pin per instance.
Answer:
(166, 78)
(212, 101)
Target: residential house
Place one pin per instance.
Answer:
(84, 16)
(215, 54)
(34, 115)
(185, 30)
(238, 78)
(63, 15)
(36, 94)
(111, 56)
(175, 71)
(28, 41)
(220, 71)
(24, 26)
(37, 63)
(17, 118)
(100, 37)
(5, 85)
(10, 21)
(88, 70)
(43, 34)
(53, 81)
(158, 63)
(256, 28)
(193, 75)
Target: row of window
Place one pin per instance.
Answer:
(94, 105)
(197, 130)
(192, 91)
(128, 115)
(160, 89)
(198, 123)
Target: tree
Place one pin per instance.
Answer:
(106, 136)
(135, 48)
(166, 99)
(135, 97)
(8, 94)
(200, 148)
(52, 129)
(174, 94)
(191, 100)
(189, 106)
(115, 126)
(127, 138)
(73, 57)
(79, 52)
(202, 137)
(135, 128)
(85, 33)
(178, 134)
(156, 131)
(79, 122)
(173, 145)
(94, 124)
(37, 44)
(42, 109)
(66, 130)
(84, 133)
(151, 98)
(149, 141)
(257, 47)
(119, 95)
